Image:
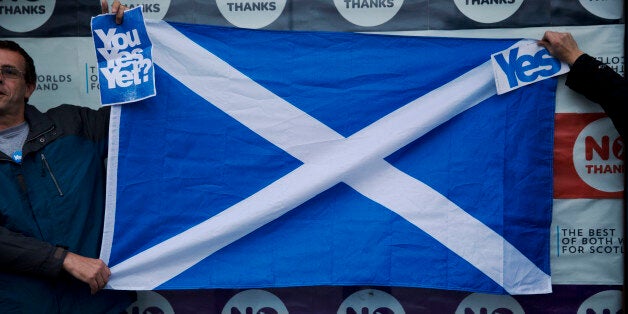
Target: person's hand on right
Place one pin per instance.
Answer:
(562, 46)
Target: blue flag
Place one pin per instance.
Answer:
(278, 159)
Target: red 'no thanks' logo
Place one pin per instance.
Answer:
(588, 157)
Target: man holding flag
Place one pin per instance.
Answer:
(52, 198)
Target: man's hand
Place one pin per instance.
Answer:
(562, 46)
(92, 271)
(116, 8)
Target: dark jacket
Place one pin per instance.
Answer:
(600, 84)
(52, 202)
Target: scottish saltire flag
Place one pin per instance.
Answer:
(279, 159)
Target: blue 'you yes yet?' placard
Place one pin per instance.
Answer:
(124, 55)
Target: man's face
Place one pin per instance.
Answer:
(13, 90)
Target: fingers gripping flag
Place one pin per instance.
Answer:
(276, 159)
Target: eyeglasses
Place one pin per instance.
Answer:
(10, 72)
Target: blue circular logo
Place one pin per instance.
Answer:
(17, 156)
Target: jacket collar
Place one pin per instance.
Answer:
(42, 130)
